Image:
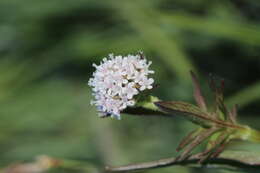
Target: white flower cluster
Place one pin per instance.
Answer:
(117, 80)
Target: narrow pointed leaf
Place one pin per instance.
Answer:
(233, 114)
(197, 93)
(220, 107)
(216, 147)
(197, 141)
(192, 112)
(220, 149)
(186, 140)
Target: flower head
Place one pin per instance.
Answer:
(117, 80)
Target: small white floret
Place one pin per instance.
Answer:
(117, 80)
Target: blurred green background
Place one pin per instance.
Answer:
(46, 53)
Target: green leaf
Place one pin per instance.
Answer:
(192, 112)
(197, 93)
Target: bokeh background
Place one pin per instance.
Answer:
(47, 49)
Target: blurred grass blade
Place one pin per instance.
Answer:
(168, 48)
(242, 32)
(245, 96)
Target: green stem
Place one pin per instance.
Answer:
(249, 134)
(254, 135)
(145, 106)
(149, 104)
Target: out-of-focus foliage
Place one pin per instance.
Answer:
(46, 53)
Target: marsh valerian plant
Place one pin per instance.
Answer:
(120, 85)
